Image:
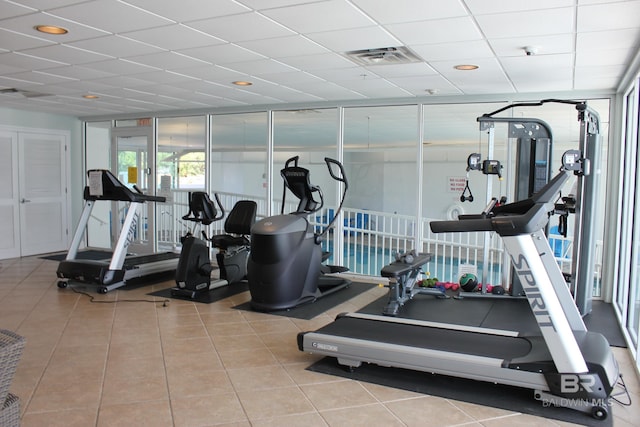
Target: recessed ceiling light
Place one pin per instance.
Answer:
(90, 96)
(466, 67)
(242, 83)
(51, 29)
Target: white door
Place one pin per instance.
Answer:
(9, 197)
(42, 192)
(133, 154)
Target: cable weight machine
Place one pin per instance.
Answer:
(534, 143)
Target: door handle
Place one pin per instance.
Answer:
(24, 200)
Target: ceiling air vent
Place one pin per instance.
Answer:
(383, 56)
(25, 93)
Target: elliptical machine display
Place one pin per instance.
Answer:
(285, 265)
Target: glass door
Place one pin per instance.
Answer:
(133, 156)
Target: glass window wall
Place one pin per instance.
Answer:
(311, 135)
(381, 160)
(180, 168)
(239, 144)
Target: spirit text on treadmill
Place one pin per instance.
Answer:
(533, 293)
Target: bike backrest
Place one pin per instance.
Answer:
(241, 218)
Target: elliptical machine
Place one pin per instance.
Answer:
(193, 273)
(285, 265)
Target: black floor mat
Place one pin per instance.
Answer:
(478, 392)
(310, 310)
(207, 297)
(603, 319)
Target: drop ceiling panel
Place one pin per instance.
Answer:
(462, 51)
(26, 62)
(242, 27)
(39, 77)
(222, 54)
(515, 65)
(167, 61)
(318, 62)
(545, 45)
(214, 73)
(488, 77)
(281, 93)
(393, 12)
(46, 4)
(270, 4)
(608, 16)
(553, 84)
(594, 83)
(355, 39)
(344, 76)
(603, 57)
(260, 67)
(77, 88)
(621, 39)
(299, 80)
(331, 91)
(378, 88)
(402, 70)
(120, 67)
(66, 54)
(483, 7)
(10, 9)
(110, 15)
(321, 16)
(296, 45)
(115, 46)
(528, 23)
(7, 69)
(190, 10)
(426, 85)
(141, 79)
(438, 31)
(182, 37)
(16, 41)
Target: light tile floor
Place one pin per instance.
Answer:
(190, 364)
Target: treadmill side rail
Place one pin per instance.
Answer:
(353, 352)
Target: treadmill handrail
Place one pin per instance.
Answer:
(511, 219)
(114, 189)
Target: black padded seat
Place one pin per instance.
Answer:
(237, 226)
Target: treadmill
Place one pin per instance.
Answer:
(564, 363)
(115, 272)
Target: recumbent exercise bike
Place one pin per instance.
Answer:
(193, 273)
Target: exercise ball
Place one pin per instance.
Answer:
(468, 282)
